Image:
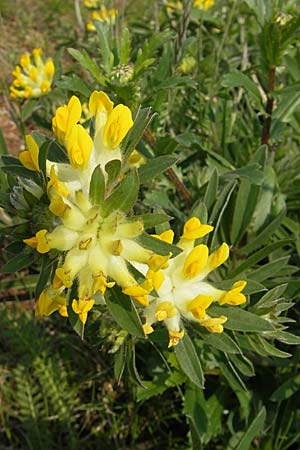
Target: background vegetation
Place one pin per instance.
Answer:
(225, 84)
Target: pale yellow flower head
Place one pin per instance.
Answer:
(181, 287)
(95, 244)
(33, 76)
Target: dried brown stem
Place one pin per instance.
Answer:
(170, 172)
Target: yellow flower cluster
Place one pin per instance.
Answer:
(33, 76)
(103, 15)
(180, 284)
(93, 4)
(201, 4)
(95, 246)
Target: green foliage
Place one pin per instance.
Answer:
(206, 131)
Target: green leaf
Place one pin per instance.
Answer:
(74, 84)
(124, 312)
(120, 361)
(263, 236)
(239, 79)
(125, 46)
(256, 257)
(287, 106)
(219, 209)
(285, 337)
(124, 195)
(21, 171)
(287, 389)
(28, 108)
(154, 167)
(131, 364)
(56, 153)
(243, 364)
(222, 342)
(87, 63)
(195, 409)
(43, 152)
(253, 431)
(230, 374)
(141, 122)
(273, 294)
(211, 190)
(97, 186)
(3, 147)
(18, 262)
(102, 31)
(244, 208)
(151, 220)
(189, 361)
(44, 276)
(112, 168)
(157, 245)
(271, 350)
(252, 172)
(269, 270)
(241, 320)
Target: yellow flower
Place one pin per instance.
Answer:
(117, 126)
(214, 325)
(174, 337)
(82, 307)
(32, 78)
(234, 296)
(95, 248)
(193, 229)
(39, 241)
(30, 158)
(187, 65)
(50, 301)
(203, 4)
(79, 146)
(103, 15)
(65, 118)
(181, 288)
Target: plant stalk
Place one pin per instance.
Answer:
(269, 107)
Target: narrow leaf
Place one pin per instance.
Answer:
(124, 311)
(189, 361)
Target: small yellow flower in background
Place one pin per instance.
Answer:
(187, 65)
(33, 76)
(203, 4)
(181, 287)
(92, 3)
(178, 5)
(103, 15)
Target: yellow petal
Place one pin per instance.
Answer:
(100, 102)
(167, 236)
(195, 261)
(118, 124)
(165, 310)
(26, 159)
(174, 337)
(147, 328)
(234, 296)
(214, 325)
(199, 305)
(79, 146)
(193, 229)
(219, 256)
